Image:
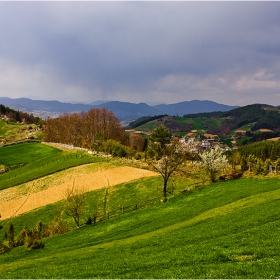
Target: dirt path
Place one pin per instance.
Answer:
(52, 188)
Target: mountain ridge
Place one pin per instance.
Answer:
(122, 110)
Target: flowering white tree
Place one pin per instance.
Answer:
(213, 161)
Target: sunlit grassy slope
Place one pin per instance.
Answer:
(224, 230)
(29, 161)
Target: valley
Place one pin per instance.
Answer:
(225, 228)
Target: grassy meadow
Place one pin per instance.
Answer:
(223, 230)
(29, 161)
(199, 123)
(196, 123)
(226, 230)
(147, 127)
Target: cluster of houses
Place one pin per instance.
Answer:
(199, 142)
(207, 141)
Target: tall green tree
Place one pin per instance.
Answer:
(170, 161)
(158, 141)
(166, 156)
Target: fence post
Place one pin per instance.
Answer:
(122, 209)
(108, 215)
(135, 206)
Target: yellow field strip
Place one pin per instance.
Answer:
(52, 188)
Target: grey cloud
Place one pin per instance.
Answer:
(129, 48)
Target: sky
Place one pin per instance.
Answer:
(152, 52)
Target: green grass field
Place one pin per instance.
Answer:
(33, 160)
(13, 132)
(147, 127)
(106, 200)
(25, 153)
(224, 230)
(199, 123)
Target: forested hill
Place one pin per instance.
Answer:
(263, 150)
(261, 115)
(18, 116)
(144, 120)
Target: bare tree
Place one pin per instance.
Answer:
(75, 203)
(84, 129)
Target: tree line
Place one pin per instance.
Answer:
(18, 116)
(263, 150)
(97, 129)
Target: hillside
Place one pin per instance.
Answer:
(225, 230)
(258, 116)
(17, 116)
(246, 124)
(16, 126)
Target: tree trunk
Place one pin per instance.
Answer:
(164, 190)
(212, 175)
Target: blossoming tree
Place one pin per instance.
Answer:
(213, 161)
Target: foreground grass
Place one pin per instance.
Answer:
(37, 160)
(225, 230)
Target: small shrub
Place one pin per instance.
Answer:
(32, 237)
(231, 174)
(11, 241)
(3, 248)
(55, 228)
(92, 218)
(139, 156)
(115, 148)
(89, 220)
(36, 245)
(234, 174)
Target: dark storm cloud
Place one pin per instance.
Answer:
(164, 51)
